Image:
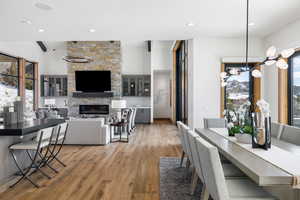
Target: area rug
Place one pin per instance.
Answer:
(175, 181)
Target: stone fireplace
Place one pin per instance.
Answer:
(106, 55)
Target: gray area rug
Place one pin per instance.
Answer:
(175, 181)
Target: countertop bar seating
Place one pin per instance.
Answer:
(28, 127)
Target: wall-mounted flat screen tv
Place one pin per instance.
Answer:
(93, 81)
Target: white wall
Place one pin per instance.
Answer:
(287, 37)
(54, 64)
(206, 66)
(135, 57)
(161, 91)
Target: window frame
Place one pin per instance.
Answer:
(290, 83)
(256, 86)
(251, 82)
(21, 78)
(14, 76)
(33, 79)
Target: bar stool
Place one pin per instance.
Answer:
(36, 145)
(58, 141)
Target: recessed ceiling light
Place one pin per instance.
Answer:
(43, 6)
(190, 24)
(251, 24)
(26, 21)
(92, 30)
(41, 30)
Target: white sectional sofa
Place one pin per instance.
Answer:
(88, 131)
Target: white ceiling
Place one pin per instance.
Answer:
(141, 19)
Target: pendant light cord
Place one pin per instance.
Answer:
(247, 35)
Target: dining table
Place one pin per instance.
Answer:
(277, 169)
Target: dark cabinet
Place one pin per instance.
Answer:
(136, 85)
(143, 116)
(54, 85)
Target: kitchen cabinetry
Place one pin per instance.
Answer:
(143, 116)
(136, 85)
(54, 85)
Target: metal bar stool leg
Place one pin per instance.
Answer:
(46, 163)
(38, 168)
(24, 174)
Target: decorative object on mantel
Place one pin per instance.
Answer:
(77, 59)
(261, 122)
(238, 120)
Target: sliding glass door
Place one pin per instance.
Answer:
(182, 83)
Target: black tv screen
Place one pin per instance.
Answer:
(93, 81)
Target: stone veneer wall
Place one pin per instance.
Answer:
(106, 55)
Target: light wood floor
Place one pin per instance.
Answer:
(117, 171)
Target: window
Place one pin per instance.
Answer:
(294, 90)
(239, 88)
(9, 79)
(17, 78)
(29, 86)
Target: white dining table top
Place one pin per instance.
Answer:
(277, 166)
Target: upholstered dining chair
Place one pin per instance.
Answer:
(276, 129)
(190, 159)
(229, 169)
(182, 141)
(214, 123)
(290, 134)
(215, 184)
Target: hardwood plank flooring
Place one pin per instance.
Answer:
(117, 171)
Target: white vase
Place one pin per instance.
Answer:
(243, 138)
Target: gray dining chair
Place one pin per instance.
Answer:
(290, 134)
(214, 123)
(190, 159)
(215, 184)
(182, 141)
(276, 129)
(229, 169)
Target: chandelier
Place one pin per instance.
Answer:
(272, 57)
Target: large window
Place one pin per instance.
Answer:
(294, 90)
(29, 86)
(239, 88)
(17, 78)
(9, 79)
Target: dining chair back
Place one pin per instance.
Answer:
(276, 129)
(290, 134)
(181, 136)
(213, 174)
(185, 130)
(196, 154)
(214, 123)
